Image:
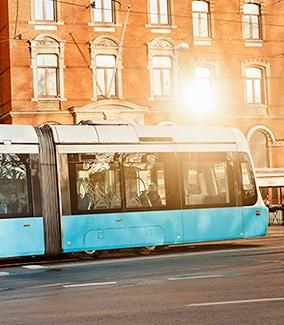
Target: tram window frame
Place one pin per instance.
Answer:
(172, 192)
(247, 198)
(74, 159)
(31, 183)
(210, 157)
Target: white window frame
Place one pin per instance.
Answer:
(162, 72)
(158, 13)
(47, 69)
(168, 48)
(254, 87)
(249, 23)
(200, 15)
(257, 109)
(48, 44)
(102, 10)
(105, 45)
(44, 8)
(107, 78)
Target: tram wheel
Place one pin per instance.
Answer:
(91, 252)
(146, 250)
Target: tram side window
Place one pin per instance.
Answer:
(14, 197)
(248, 187)
(97, 179)
(148, 181)
(207, 179)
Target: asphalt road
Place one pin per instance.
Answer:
(237, 282)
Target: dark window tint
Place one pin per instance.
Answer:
(207, 179)
(248, 187)
(97, 180)
(14, 180)
(150, 181)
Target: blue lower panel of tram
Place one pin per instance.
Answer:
(21, 237)
(255, 221)
(117, 230)
(137, 229)
(212, 224)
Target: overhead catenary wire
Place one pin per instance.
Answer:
(133, 11)
(221, 20)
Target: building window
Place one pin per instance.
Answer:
(251, 21)
(254, 85)
(104, 12)
(47, 56)
(259, 149)
(200, 19)
(44, 10)
(159, 12)
(162, 65)
(203, 76)
(106, 80)
(106, 63)
(162, 80)
(47, 75)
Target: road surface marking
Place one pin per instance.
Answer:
(195, 276)
(88, 284)
(235, 302)
(34, 267)
(50, 285)
(4, 273)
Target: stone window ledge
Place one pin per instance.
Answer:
(202, 41)
(253, 43)
(49, 99)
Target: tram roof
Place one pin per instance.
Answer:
(123, 133)
(18, 134)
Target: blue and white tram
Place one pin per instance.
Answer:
(107, 186)
(21, 221)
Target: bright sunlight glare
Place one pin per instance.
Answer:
(199, 97)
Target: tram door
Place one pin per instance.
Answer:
(209, 202)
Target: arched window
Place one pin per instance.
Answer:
(106, 63)
(47, 56)
(162, 64)
(47, 75)
(255, 89)
(251, 21)
(200, 19)
(259, 149)
(162, 76)
(106, 80)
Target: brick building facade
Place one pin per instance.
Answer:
(158, 61)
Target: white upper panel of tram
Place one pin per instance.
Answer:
(18, 139)
(18, 134)
(118, 133)
(126, 134)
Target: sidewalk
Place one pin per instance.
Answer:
(275, 231)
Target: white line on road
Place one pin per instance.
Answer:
(193, 277)
(49, 285)
(4, 273)
(88, 284)
(34, 267)
(235, 302)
